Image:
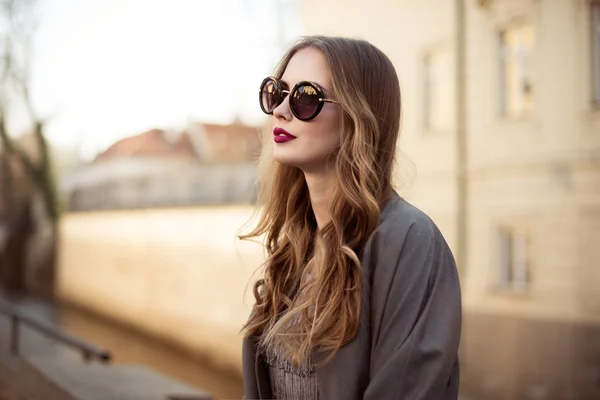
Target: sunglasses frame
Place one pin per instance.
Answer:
(290, 93)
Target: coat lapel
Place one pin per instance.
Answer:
(254, 366)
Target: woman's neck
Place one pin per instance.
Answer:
(321, 187)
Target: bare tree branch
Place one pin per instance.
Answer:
(15, 75)
(11, 148)
(7, 60)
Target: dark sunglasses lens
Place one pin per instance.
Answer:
(305, 102)
(270, 96)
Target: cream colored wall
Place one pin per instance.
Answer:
(174, 273)
(405, 30)
(540, 172)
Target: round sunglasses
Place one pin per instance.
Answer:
(306, 98)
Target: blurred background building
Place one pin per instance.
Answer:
(205, 164)
(512, 87)
(500, 146)
(529, 115)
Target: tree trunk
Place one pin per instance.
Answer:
(41, 263)
(14, 252)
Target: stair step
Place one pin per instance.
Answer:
(113, 381)
(20, 381)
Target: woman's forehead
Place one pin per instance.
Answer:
(307, 65)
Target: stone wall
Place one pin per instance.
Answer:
(178, 274)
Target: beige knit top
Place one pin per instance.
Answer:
(289, 382)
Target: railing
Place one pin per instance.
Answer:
(17, 317)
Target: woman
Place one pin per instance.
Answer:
(360, 297)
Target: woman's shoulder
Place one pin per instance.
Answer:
(401, 219)
(407, 242)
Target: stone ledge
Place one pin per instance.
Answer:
(123, 382)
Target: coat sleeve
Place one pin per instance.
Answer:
(416, 323)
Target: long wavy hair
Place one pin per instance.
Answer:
(365, 84)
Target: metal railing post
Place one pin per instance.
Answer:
(14, 335)
(88, 351)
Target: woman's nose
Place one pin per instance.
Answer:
(283, 111)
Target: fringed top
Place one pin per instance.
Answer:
(287, 381)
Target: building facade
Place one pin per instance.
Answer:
(531, 270)
(205, 164)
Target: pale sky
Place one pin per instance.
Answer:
(106, 69)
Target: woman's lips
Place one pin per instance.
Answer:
(282, 136)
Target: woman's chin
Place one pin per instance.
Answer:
(285, 158)
(288, 162)
(313, 163)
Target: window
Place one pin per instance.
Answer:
(595, 40)
(516, 86)
(437, 91)
(513, 268)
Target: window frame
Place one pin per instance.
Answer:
(437, 87)
(502, 57)
(594, 37)
(513, 267)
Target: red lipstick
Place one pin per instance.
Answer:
(282, 136)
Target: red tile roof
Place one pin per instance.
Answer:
(235, 142)
(154, 142)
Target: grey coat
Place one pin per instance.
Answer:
(406, 347)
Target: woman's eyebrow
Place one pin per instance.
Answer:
(323, 88)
